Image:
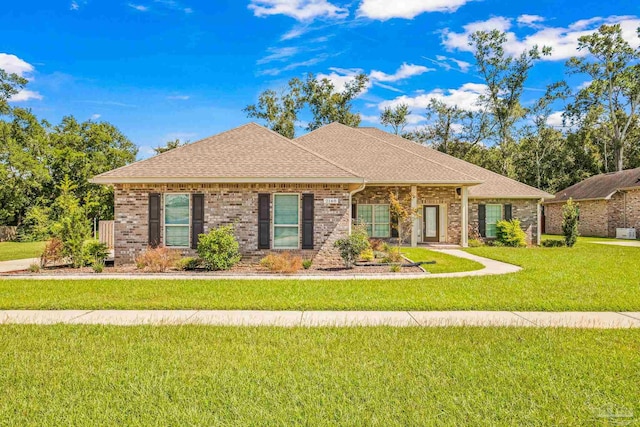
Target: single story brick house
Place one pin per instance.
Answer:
(302, 195)
(606, 202)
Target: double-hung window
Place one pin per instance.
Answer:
(176, 220)
(493, 215)
(376, 219)
(286, 224)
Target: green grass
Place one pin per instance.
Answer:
(444, 263)
(588, 277)
(199, 375)
(19, 250)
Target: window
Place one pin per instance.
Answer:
(493, 215)
(376, 218)
(286, 227)
(176, 220)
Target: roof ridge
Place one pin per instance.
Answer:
(177, 148)
(455, 158)
(414, 154)
(292, 141)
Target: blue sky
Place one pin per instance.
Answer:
(166, 69)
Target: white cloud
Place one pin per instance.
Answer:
(178, 97)
(300, 10)
(555, 119)
(404, 72)
(12, 64)
(369, 119)
(293, 33)
(138, 7)
(407, 9)
(339, 77)
(74, 5)
(279, 54)
(25, 95)
(529, 19)
(563, 41)
(442, 61)
(174, 5)
(465, 97)
(95, 116)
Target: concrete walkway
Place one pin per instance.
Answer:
(604, 320)
(17, 264)
(632, 243)
(491, 267)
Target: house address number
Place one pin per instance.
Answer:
(331, 201)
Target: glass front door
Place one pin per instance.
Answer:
(430, 229)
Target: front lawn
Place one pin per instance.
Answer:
(20, 250)
(444, 263)
(588, 277)
(199, 375)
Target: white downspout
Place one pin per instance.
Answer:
(465, 218)
(539, 223)
(351, 193)
(416, 224)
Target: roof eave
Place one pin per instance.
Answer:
(219, 180)
(515, 197)
(425, 183)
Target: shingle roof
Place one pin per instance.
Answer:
(379, 161)
(600, 186)
(363, 148)
(247, 153)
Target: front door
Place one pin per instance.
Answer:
(431, 224)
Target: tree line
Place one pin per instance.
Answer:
(503, 132)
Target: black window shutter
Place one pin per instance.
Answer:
(197, 218)
(354, 211)
(154, 219)
(508, 212)
(264, 221)
(395, 225)
(482, 220)
(307, 221)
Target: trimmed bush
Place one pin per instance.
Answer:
(393, 255)
(475, 243)
(353, 245)
(98, 267)
(219, 249)
(570, 214)
(306, 264)
(553, 243)
(367, 255)
(157, 260)
(510, 234)
(282, 263)
(94, 252)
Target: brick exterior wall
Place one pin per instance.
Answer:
(445, 197)
(231, 204)
(524, 210)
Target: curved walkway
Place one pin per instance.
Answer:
(491, 267)
(604, 320)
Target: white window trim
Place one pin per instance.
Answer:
(373, 217)
(165, 225)
(273, 223)
(486, 223)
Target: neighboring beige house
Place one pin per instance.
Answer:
(606, 202)
(302, 195)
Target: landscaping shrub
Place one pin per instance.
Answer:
(282, 263)
(36, 225)
(475, 243)
(52, 253)
(306, 264)
(72, 226)
(219, 249)
(393, 255)
(97, 267)
(553, 243)
(395, 268)
(570, 215)
(510, 234)
(188, 263)
(353, 245)
(94, 252)
(376, 245)
(34, 268)
(367, 255)
(157, 260)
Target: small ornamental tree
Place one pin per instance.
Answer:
(72, 226)
(570, 215)
(353, 245)
(406, 215)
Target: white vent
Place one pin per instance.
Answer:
(626, 233)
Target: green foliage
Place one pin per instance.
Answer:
(34, 268)
(170, 145)
(94, 251)
(352, 246)
(10, 84)
(37, 225)
(393, 254)
(395, 117)
(553, 243)
(188, 263)
(306, 264)
(475, 243)
(72, 227)
(570, 215)
(219, 249)
(395, 268)
(367, 255)
(510, 234)
(98, 267)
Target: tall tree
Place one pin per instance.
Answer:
(170, 145)
(395, 117)
(505, 77)
(612, 98)
(10, 84)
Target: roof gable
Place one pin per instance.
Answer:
(247, 153)
(601, 186)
